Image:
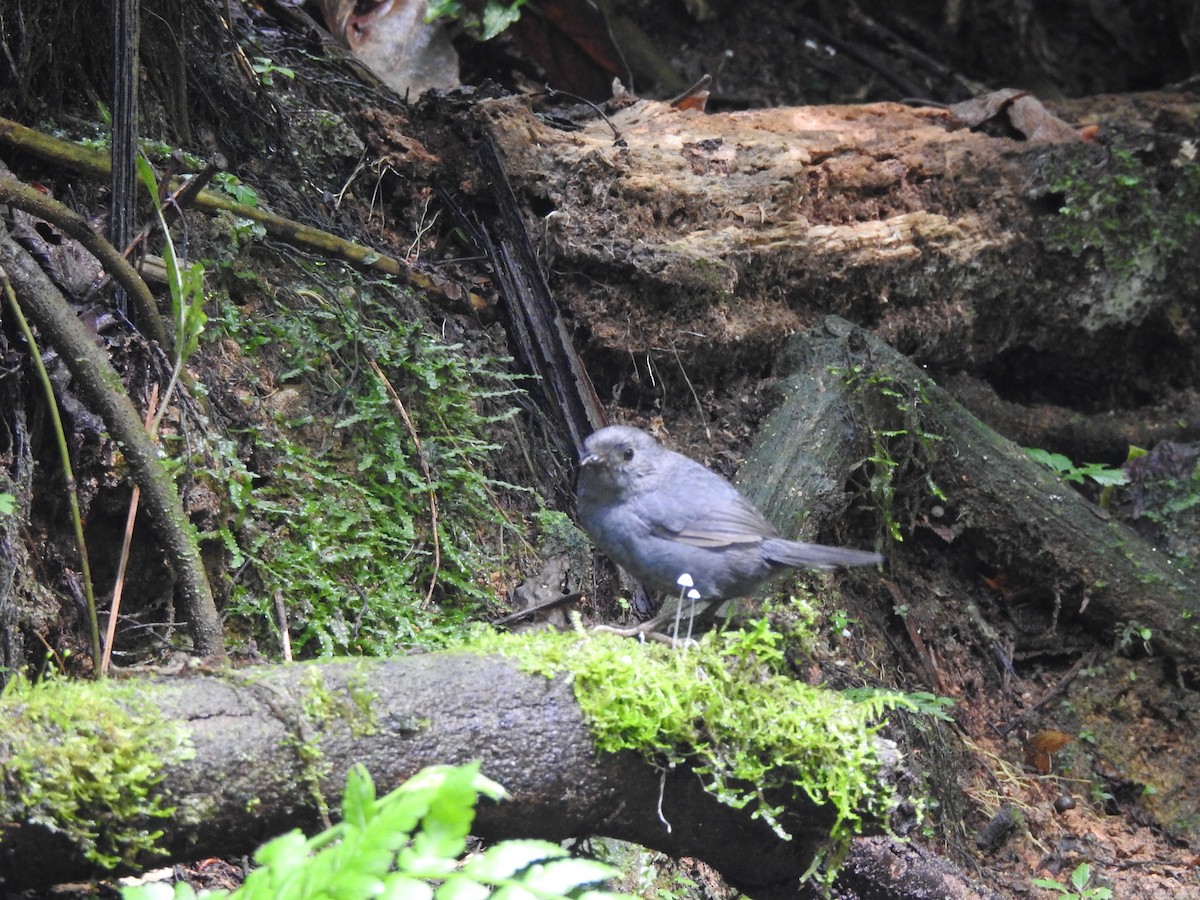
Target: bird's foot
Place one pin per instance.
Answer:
(646, 632)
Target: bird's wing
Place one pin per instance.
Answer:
(723, 521)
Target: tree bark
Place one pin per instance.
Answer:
(965, 242)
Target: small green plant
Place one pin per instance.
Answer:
(370, 515)
(1078, 888)
(900, 451)
(8, 504)
(236, 188)
(1128, 633)
(185, 285)
(407, 844)
(921, 702)
(267, 70)
(244, 230)
(1100, 796)
(483, 26)
(1103, 475)
(840, 621)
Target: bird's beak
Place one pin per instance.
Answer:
(588, 459)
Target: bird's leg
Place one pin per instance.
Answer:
(687, 595)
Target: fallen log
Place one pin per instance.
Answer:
(992, 238)
(940, 474)
(254, 753)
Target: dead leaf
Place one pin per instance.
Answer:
(1042, 745)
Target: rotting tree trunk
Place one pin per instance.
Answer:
(1007, 559)
(246, 781)
(701, 240)
(1012, 514)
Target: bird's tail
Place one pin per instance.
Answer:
(816, 556)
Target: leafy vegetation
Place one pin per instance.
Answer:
(900, 449)
(185, 286)
(265, 69)
(1066, 470)
(1129, 634)
(371, 501)
(407, 844)
(1078, 889)
(483, 25)
(730, 710)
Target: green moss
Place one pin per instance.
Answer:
(728, 709)
(354, 705)
(903, 452)
(318, 707)
(373, 458)
(363, 719)
(85, 760)
(1133, 211)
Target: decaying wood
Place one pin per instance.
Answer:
(542, 342)
(1175, 417)
(1008, 560)
(247, 780)
(1061, 553)
(712, 236)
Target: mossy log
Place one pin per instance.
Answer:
(257, 746)
(945, 477)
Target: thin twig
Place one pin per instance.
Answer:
(554, 92)
(285, 637)
(425, 470)
(692, 388)
(126, 541)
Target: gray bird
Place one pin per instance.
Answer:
(659, 515)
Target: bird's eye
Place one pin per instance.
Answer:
(627, 454)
